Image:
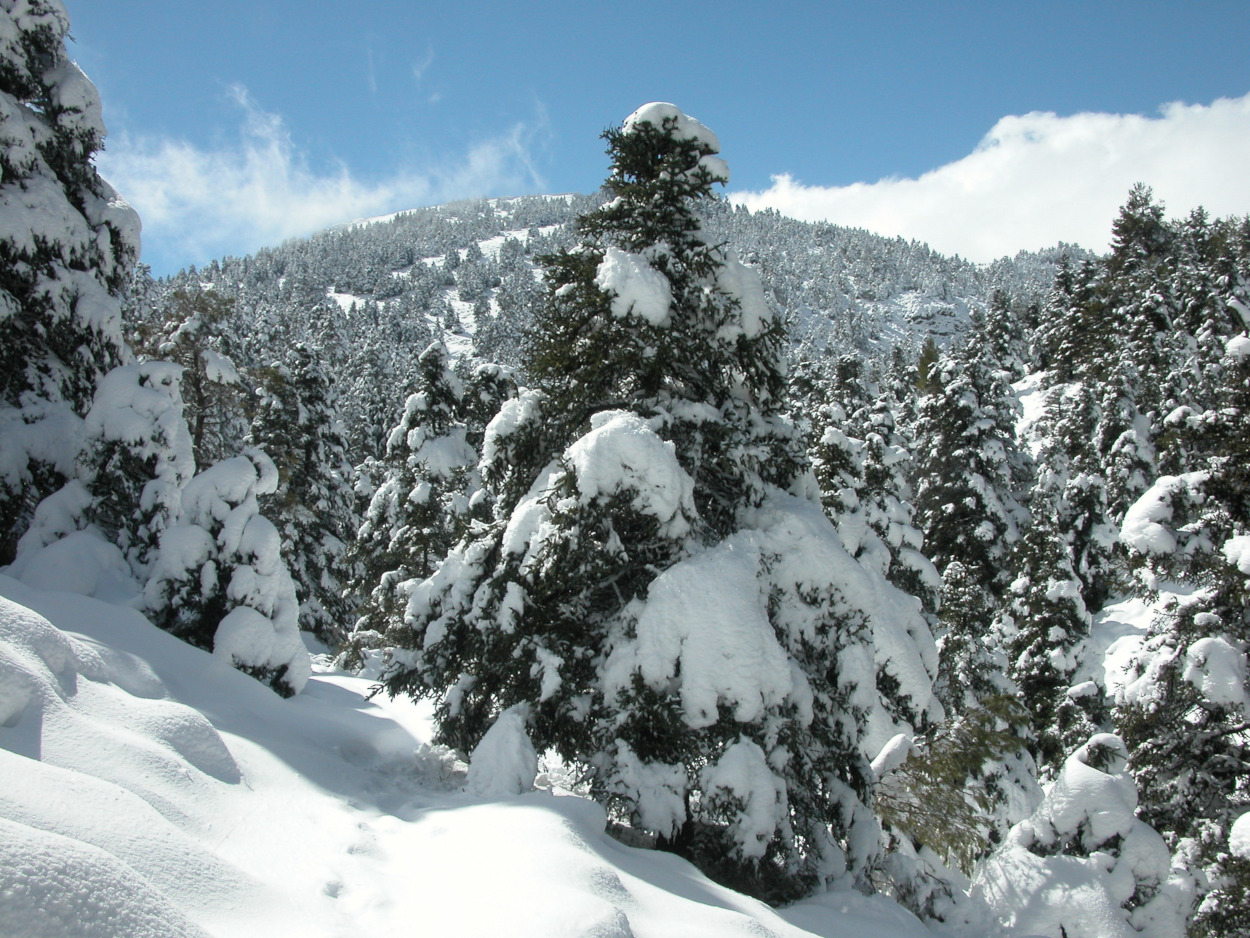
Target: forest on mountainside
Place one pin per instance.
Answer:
(735, 518)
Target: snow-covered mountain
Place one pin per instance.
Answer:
(371, 294)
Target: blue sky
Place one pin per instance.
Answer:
(983, 128)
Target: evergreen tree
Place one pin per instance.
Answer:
(1075, 338)
(1003, 335)
(196, 334)
(296, 425)
(67, 246)
(972, 667)
(431, 492)
(861, 463)
(219, 581)
(137, 459)
(1185, 717)
(968, 468)
(1073, 477)
(693, 637)
(1043, 628)
(134, 462)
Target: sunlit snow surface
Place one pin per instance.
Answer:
(149, 789)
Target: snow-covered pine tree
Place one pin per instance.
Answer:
(677, 624)
(297, 426)
(862, 463)
(1043, 628)
(972, 667)
(195, 332)
(136, 459)
(67, 246)
(219, 581)
(1003, 335)
(1083, 865)
(900, 394)
(980, 750)
(1124, 441)
(888, 500)
(127, 486)
(431, 492)
(969, 469)
(1185, 711)
(1071, 473)
(67, 249)
(1074, 339)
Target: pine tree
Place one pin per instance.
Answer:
(1185, 720)
(136, 460)
(1071, 473)
(968, 467)
(127, 484)
(640, 495)
(1082, 860)
(67, 246)
(431, 493)
(972, 667)
(1124, 441)
(861, 463)
(1075, 338)
(297, 426)
(196, 334)
(1043, 628)
(1003, 334)
(219, 581)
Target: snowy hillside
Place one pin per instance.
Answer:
(722, 549)
(152, 790)
(373, 293)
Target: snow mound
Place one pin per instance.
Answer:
(1082, 865)
(707, 619)
(743, 284)
(1218, 671)
(1236, 551)
(504, 762)
(742, 777)
(54, 885)
(621, 453)
(1145, 528)
(81, 562)
(685, 128)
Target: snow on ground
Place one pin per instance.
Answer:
(1115, 635)
(149, 789)
(491, 246)
(1032, 397)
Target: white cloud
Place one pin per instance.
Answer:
(199, 203)
(1038, 179)
(420, 68)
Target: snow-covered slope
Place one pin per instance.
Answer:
(148, 789)
(371, 295)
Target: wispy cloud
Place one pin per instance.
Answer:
(1038, 179)
(420, 68)
(199, 203)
